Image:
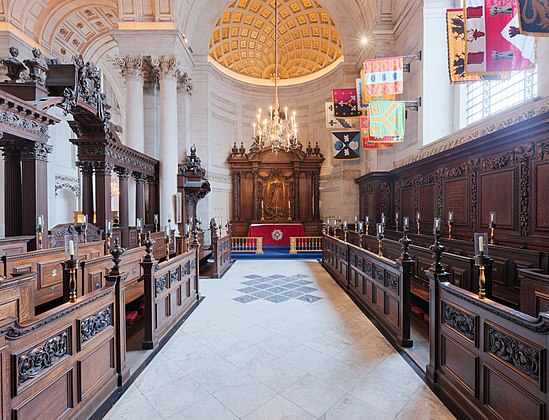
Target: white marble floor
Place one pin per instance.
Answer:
(289, 360)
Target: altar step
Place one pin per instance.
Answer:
(276, 253)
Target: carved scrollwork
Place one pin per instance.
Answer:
(385, 199)
(35, 151)
(132, 67)
(460, 321)
(392, 282)
(94, 324)
(65, 182)
(42, 357)
(510, 350)
(160, 283)
(174, 276)
(379, 274)
(166, 67)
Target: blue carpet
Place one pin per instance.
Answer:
(275, 253)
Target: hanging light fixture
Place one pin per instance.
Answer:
(278, 131)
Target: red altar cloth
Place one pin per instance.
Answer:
(276, 234)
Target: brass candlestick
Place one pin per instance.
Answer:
(85, 232)
(396, 224)
(168, 241)
(109, 240)
(450, 225)
(492, 233)
(138, 238)
(262, 214)
(367, 228)
(418, 222)
(40, 237)
(380, 245)
(481, 261)
(72, 266)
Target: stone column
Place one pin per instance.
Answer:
(140, 197)
(34, 183)
(103, 172)
(12, 188)
(86, 169)
(134, 128)
(168, 73)
(123, 204)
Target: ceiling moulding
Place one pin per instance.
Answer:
(282, 82)
(490, 125)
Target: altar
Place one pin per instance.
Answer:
(275, 234)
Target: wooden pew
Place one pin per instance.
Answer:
(171, 289)
(61, 364)
(221, 248)
(506, 263)
(93, 273)
(14, 245)
(490, 360)
(17, 297)
(534, 291)
(47, 264)
(380, 285)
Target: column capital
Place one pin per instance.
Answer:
(103, 168)
(166, 67)
(184, 83)
(132, 67)
(11, 150)
(139, 177)
(151, 180)
(123, 173)
(35, 151)
(85, 167)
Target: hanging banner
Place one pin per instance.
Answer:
(455, 25)
(334, 122)
(383, 76)
(346, 144)
(387, 118)
(345, 103)
(373, 143)
(533, 17)
(362, 104)
(493, 39)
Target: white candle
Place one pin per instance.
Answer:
(396, 216)
(481, 243)
(379, 228)
(40, 221)
(418, 217)
(71, 248)
(437, 223)
(367, 219)
(406, 222)
(288, 203)
(138, 223)
(261, 204)
(84, 219)
(492, 217)
(108, 226)
(451, 216)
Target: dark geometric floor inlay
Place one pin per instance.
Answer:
(277, 288)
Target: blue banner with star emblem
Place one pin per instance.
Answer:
(346, 144)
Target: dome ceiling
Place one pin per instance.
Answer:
(244, 37)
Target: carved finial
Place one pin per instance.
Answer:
(437, 249)
(116, 253)
(36, 53)
(193, 151)
(316, 150)
(405, 243)
(309, 149)
(242, 149)
(149, 244)
(235, 149)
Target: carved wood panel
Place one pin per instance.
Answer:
(497, 191)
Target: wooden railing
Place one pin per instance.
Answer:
(305, 244)
(381, 285)
(171, 289)
(247, 244)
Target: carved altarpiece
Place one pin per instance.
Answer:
(271, 188)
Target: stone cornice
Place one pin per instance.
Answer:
(468, 134)
(341, 176)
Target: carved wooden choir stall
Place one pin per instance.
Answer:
(486, 357)
(64, 333)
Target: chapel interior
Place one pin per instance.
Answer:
(274, 209)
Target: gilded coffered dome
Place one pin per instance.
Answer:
(244, 37)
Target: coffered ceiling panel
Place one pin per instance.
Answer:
(244, 37)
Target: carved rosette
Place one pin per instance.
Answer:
(42, 357)
(132, 67)
(94, 324)
(460, 321)
(515, 352)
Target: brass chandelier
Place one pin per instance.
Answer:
(278, 131)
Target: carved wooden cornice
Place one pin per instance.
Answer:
(21, 120)
(495, 124)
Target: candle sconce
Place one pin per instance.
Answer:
(379, 227)
(40, 232)
(482, 259)
(156, 221)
